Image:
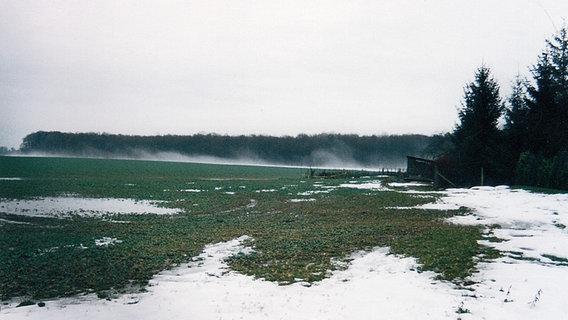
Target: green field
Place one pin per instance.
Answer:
(298, 226)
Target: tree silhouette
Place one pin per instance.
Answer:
(477, 137)
(548, 99)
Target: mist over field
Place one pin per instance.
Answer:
(319, 158)
(324, 150)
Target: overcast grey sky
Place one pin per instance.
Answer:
(257, 67)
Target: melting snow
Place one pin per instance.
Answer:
(60, 207)
(302, 200)
(266, 190)
(375, 285)
(530, 281)
(106, 241)
(408, 184)
(373, 185)
(312, 192)
(530, 223)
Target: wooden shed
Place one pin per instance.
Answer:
(419, 169)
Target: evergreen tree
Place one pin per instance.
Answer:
(517, 121)
(548, 99)
(477, 136)
(517, 112)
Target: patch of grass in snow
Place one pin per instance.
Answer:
(293, 241)
(555, 259)
(560, 226)
(300, 243)
(461, 309)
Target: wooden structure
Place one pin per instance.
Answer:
(419, 169)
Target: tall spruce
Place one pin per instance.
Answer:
(477, 137)
(517, 119)
(548, 99)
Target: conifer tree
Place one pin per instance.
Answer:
(517, 118)
(548, 99)
(477, 136)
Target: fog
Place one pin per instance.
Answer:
(321, 158)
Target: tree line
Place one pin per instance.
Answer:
(522, 139)
(387, 151)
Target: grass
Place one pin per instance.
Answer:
(293, 241)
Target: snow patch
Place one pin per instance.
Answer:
(530, 281)
(373, 185)
(107, 241)
(253, 203)
(12, 222)
(62, 207)
(301, 200)
(532, 224)
(312, 192)
(408, 184)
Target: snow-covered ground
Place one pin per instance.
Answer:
(530, 281)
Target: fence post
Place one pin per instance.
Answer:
(436, 178)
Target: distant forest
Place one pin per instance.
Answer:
(337, 150)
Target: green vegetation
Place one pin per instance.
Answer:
(292, 240)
